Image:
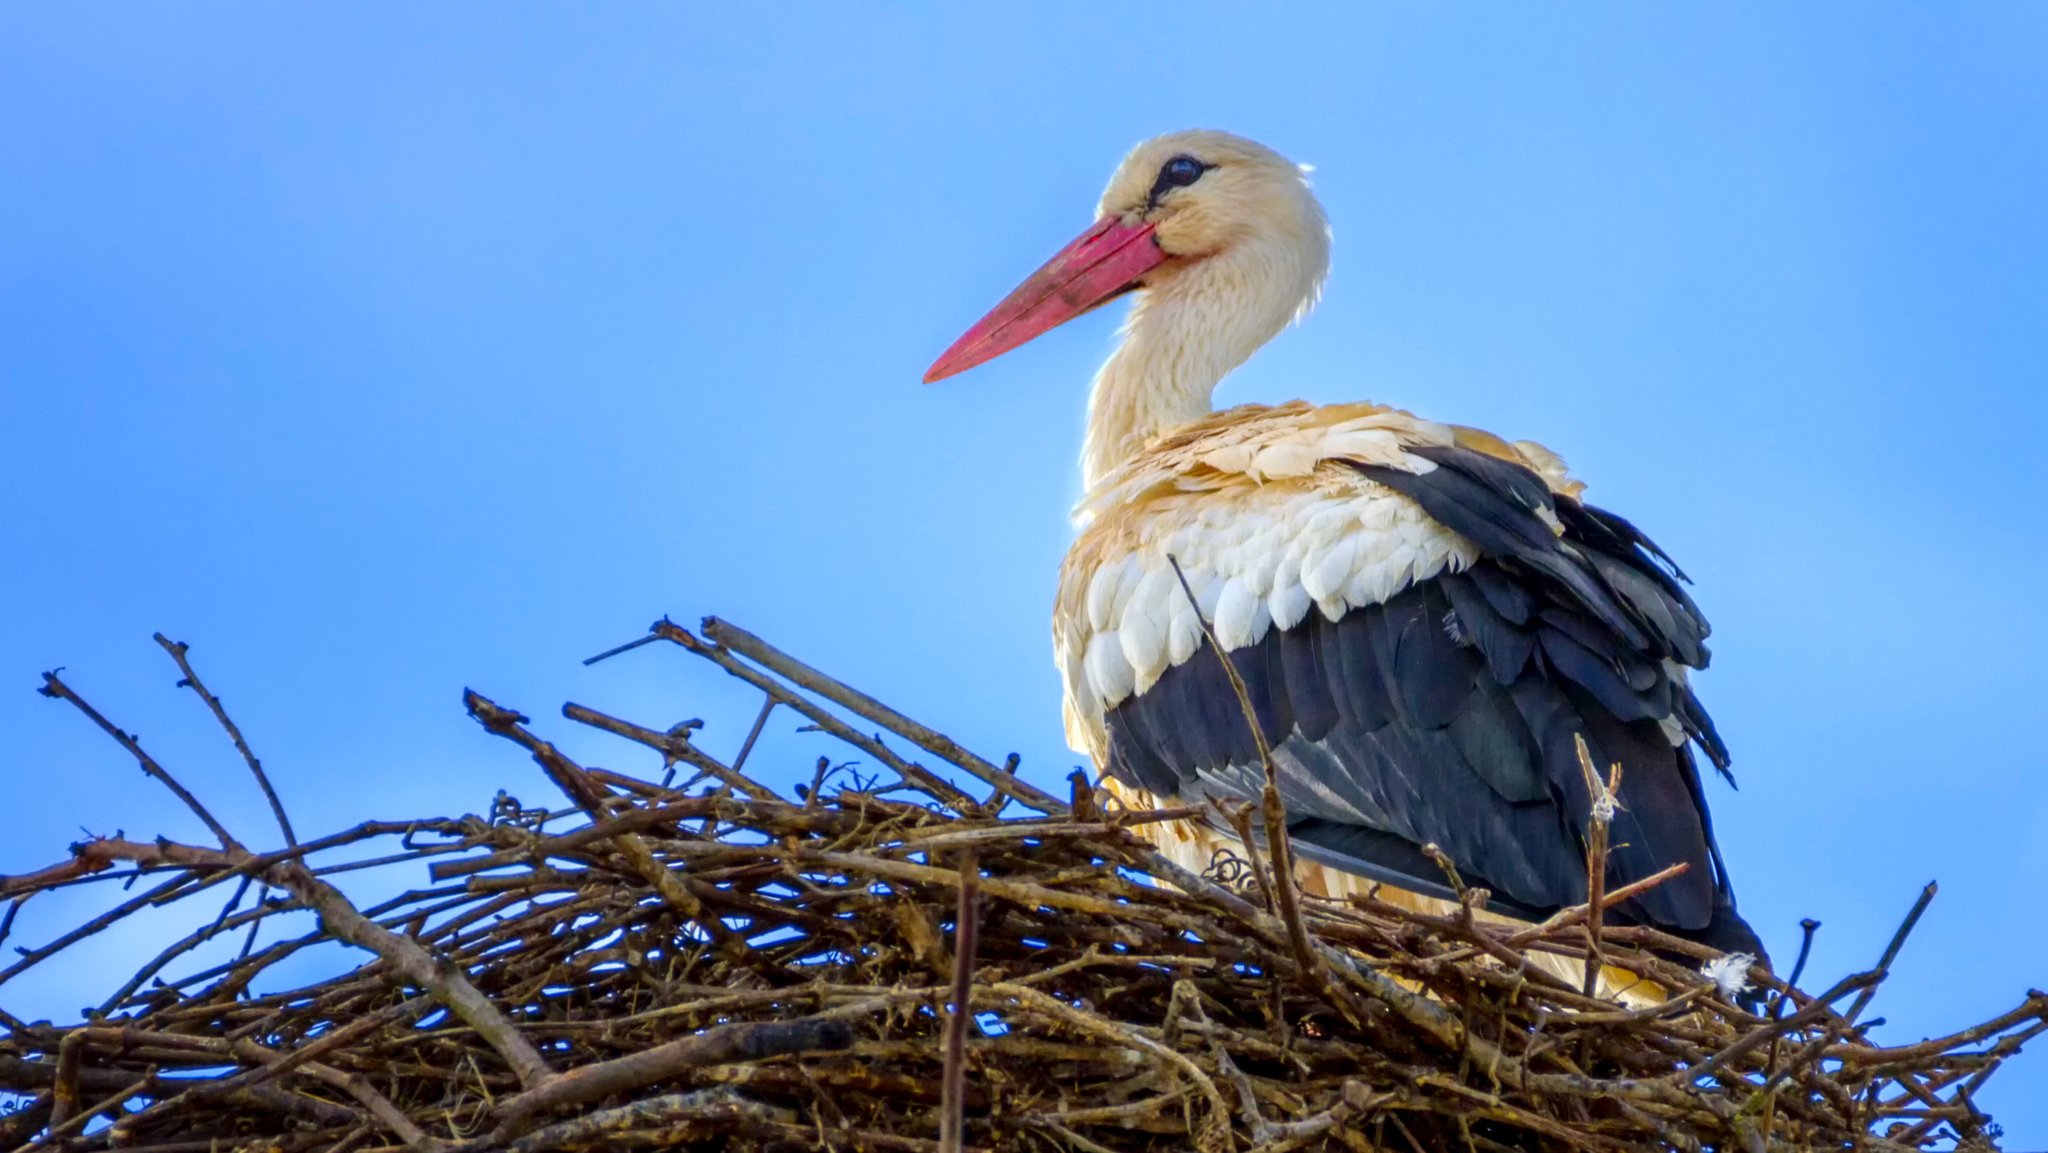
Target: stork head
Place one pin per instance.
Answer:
(1204, 217)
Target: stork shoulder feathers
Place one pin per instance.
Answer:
(1268, 513)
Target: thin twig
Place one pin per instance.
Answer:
(674, 747)
(932, 741)
(739, 763)
(1891, 949)
(1602, 805)
(179, 651)
(966, 933)
(915, 773)
(1847, 1020)
(55, 688)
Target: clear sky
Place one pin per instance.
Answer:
(379, 350)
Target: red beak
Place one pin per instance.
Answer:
(1103, 262)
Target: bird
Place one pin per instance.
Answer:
(1425, 619)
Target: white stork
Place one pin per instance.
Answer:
(1425, 615)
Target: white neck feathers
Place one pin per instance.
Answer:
(1188, 329)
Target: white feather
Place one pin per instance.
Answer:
(1143, 642)
(1288, 603)
(1102, 594)
(1109, 674)
(1729, 972)
(1233, 618)
(1324, 573)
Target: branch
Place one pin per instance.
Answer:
(673, 746)
(342, 919)
(966, 933)
(594, 799)
(1603, 799)
(748, 1041)
(55, 688)
(911, 771)
(804, 676)
(178, 651)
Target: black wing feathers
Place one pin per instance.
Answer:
(1448, 714)
(1477, 620)
(1308, 691)
(1501, 508)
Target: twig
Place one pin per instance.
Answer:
(672, 745)
(55, 688)
(751, 1041)
(1601, 816)
(966, 933)
(628, 647)
(64, 1094)
(1891, 950)
(1847, 1020)
(804, 676)
(1241, 821)
(179, 651)
(595, 800)
(1573, 915)
(1807, 927)
(922, 777)
(739, 763)
(663, 1110)
(59, 1130)
(344, 921)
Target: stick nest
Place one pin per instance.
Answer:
(705, 964)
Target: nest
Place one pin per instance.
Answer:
(706, 964)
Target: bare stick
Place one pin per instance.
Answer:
(1577, 913)
(64, 1096)
(1840, 1026)
(739, 763)
(377, 1104)
(342, 919)
(915, 773)
(59, 1130)
(936, 743)
(966, 933)
(1241, 821)
(445, 982)
(1807, 927)
(595, 800)
(55, 688)
(672, 745)
(1891, 950)
(179, 651)
(617, 650)
(1602, 814)
(754, 1040)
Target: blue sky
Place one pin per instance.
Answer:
(380, 351)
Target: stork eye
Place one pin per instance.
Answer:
(1178, 172)
(1181, 171)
